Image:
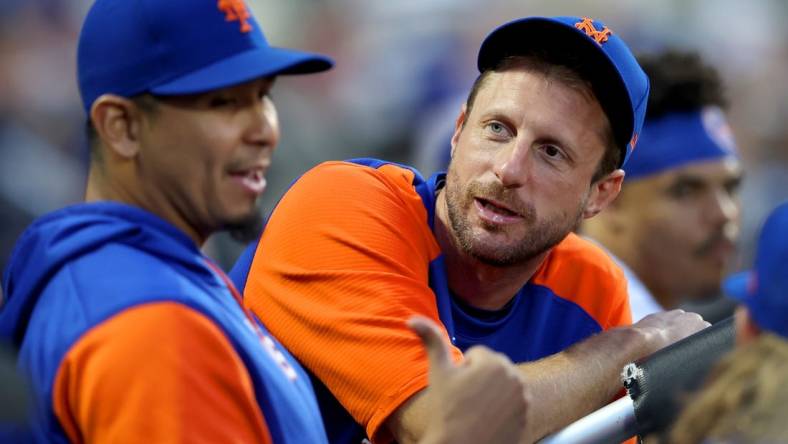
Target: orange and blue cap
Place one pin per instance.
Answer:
(764, 289)
(618, 81)
(176, 47)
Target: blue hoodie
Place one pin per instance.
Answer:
(75, 268)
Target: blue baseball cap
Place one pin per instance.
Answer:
(617, 79)
(764, 289)
(174, 47)
(682, 138)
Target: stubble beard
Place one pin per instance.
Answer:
(539, 237)
(247, 228)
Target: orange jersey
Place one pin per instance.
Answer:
(349, 254)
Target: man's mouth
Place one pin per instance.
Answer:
(253, 179)
(496, 212)
(497, 207)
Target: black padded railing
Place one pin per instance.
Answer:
(656, 386)
(658, 383)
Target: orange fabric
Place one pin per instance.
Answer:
(572, 272)
(600, 36)
(336, 290)
(158, 372)
(236, 10)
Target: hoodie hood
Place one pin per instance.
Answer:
(63, 236)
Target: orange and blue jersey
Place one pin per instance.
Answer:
(349, 254)
(129, 334)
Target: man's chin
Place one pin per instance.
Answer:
(247, 228)
(493, 260)
(498, 257)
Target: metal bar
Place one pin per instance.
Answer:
(613, 423)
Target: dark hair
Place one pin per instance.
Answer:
(145, 102)
(567, 70)
(680, 81)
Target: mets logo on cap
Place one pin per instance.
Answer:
(718, 129)
(587, 25)
(236, 10)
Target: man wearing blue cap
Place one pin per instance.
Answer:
(763, 291)
(129, 333)
(676, 221)
(126, 331)
(356, 247)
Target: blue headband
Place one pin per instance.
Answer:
(679, 139)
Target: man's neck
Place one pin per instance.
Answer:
(101, 188)
(478, 284)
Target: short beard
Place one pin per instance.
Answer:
(541, 236)
(248, 228)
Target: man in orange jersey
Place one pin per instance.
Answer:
(356, 247)
(127, 332)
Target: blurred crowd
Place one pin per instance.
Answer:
(402, 68)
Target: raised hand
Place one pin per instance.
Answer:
(481, 400)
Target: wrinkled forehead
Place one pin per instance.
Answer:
(523, 88)
(508, 86)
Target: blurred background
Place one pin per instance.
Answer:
(403, 69)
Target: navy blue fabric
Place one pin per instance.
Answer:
(240, 270)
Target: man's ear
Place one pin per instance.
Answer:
(603, 193)
(458, 125)
(746, 329)
(117, 121)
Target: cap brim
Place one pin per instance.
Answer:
(243, 67)
(559, 39)
(737, 285)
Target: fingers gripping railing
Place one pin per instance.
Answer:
(655, 385)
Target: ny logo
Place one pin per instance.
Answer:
(236, 10)
(587, 26)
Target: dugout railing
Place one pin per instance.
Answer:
(656, 387)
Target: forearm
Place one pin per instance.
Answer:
(564, 387)
(408, 424)
(574, 383)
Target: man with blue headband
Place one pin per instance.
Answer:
(744, 400)
(675, 223)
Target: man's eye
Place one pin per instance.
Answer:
(732, 187)
(219, 102)
(497, 129)
(552, 151)
(683, 190)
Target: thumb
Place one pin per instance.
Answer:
(434, 342)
